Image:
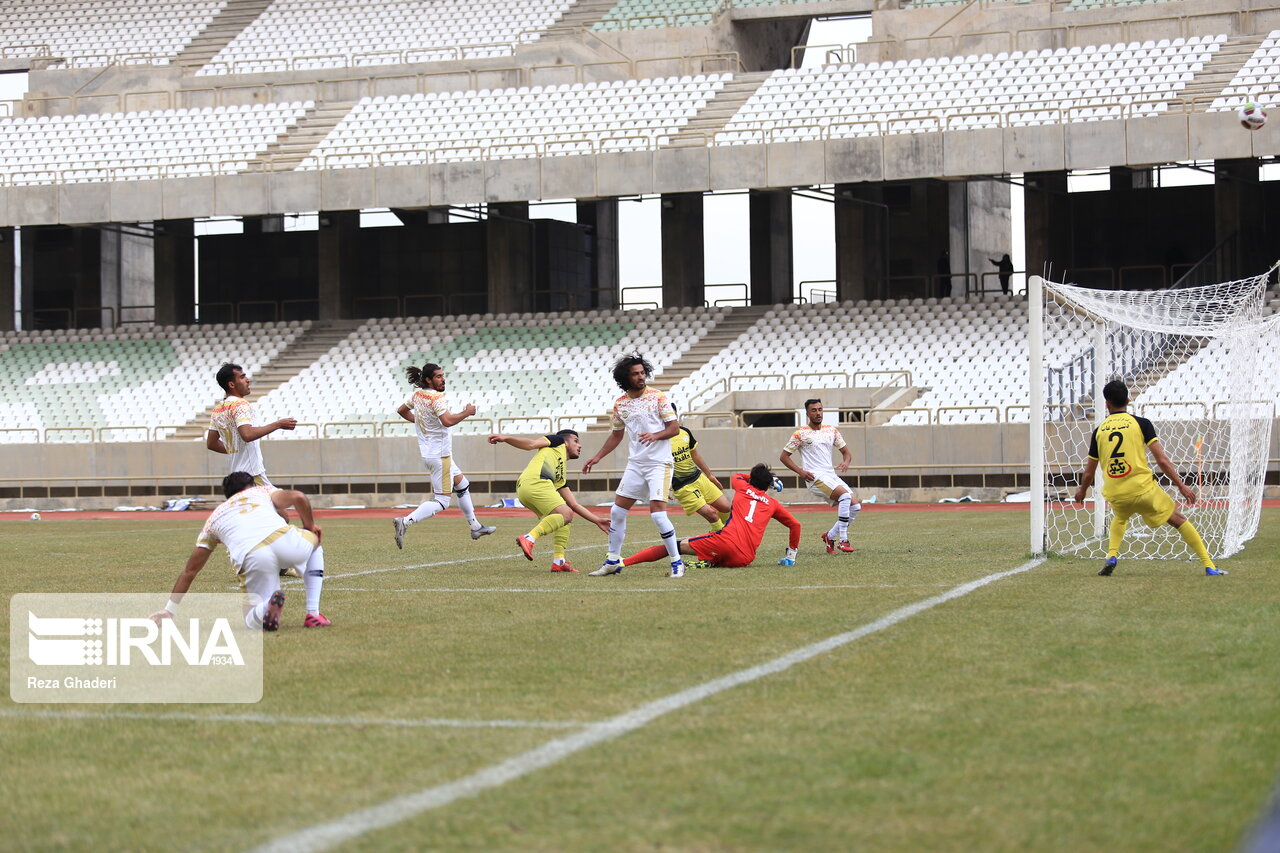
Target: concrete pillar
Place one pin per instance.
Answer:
(1048, 225)
(862, 237)
(772, 273)
(338, 247)
(27, 291)
(175, 272)
(8, 317)
(601, 216)
(509, 257)
(1238, 211)
(683, 264)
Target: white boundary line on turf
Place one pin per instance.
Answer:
(610, 587)
(346, 722)
(327, 835)
(335, 576)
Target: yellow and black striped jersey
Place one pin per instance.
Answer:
(1120, 445)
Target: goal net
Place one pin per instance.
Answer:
(1198, 363)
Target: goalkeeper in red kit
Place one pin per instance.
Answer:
(737, 542)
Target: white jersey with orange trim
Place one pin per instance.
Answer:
(815, 446)
(244, 521)
(650, 412)
(228, 416)
(434, 440)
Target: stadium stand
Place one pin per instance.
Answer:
(525, 122)
(524, 367)
(104, 32)
(74, 383)
(305, 34)
(137, 145)
(648, 14)
(950, 92)
(1260, 75)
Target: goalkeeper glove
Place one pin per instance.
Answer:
(790, 559)
(777, 484)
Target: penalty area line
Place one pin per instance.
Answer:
(608, 588)
(327, 835)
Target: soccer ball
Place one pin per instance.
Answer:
(1252, 115)
(35, 516)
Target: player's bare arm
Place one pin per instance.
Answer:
(520, 442)
(199, 557)
(250, 432)
(704, 468)
(669, 431)
(785, 459)
(610, 444)
(1086, 479)
(572, 503)
(213, 441)
(454, 418)
(406, 413)
(846, 458)
(282, 499)
(1166, 465)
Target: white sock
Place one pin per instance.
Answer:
(313, 580)
(463, 491)
(617, 528)
(668, 534)
(842, 519)
(426, 509)
(253, 616)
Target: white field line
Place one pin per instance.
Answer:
(345, 722)
(53, 529)
(334, 576)
(327, 835)
(612, 587)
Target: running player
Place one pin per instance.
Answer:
(696, 487)
(815, 441)
(252, 523)
(231, 429)
(543, 488)
(646, 415)
(428, 410)
(737, 544)
(1128, 484)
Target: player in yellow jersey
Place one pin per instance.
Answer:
(1120, 444)
(697, 489)
(542, 487)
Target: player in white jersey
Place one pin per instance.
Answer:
(231, 428)
(647, 416)
(252, 523)
(428, 410)
(815, 441)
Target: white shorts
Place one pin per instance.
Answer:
(826, 485)
(442, 470)
(649, 482)
(260, 571)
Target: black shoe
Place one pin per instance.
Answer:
(1108, 567)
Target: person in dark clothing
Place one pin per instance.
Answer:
(1005, 266)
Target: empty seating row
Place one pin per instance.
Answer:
(105, 31)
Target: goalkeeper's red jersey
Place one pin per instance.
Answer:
(736, 544)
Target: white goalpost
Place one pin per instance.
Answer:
(1200, 363)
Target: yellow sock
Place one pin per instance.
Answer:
(562, 540)
(551, 522)
(718, 524)
(1191, 536)
(1118, 527)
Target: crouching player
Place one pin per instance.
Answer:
(542, 488)
(253, 524)
(737, 542)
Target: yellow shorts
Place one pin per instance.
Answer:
(698, 494)
(541, 496)
(1154, 505)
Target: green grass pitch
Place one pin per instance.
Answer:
(1052, 710)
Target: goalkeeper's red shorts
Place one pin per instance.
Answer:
(720, 550)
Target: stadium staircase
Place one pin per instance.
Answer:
(703, 127)
(226, 25)
(724, 333)
(288, 151)
(323, 336)
(1219, 71)
(584, 14)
